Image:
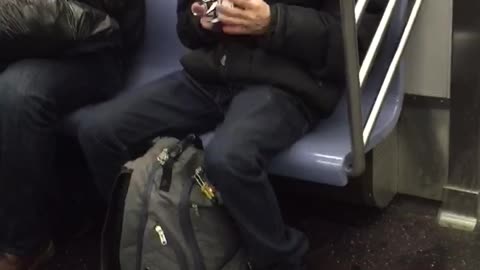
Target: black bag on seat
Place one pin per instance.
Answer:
(40, 28)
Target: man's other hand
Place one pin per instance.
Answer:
(200, 11)
(245, 17)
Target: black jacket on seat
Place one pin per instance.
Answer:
(36, 28)
(302, 53)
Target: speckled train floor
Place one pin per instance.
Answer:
(405, 236)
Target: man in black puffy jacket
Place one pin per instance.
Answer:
(55, 56)
(262, 78)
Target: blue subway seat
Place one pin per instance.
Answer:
(320, 156)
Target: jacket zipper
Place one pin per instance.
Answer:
(223, 60)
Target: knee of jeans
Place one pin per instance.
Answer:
(20, 102)
(94, 131)
(231, 160)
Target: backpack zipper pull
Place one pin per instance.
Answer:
(205, 187)
(195, 209)
(161, 235)
(163, 157)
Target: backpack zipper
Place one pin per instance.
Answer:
(206, 188)
(162, 231)
(187, 227)
(169, 156)
(144, 215)
(195, 209)
(161, 160)
(161, 235)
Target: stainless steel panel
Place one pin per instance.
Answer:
(461, 193)
(428, 53)
(423, 147)
(385, 171)
(459, 209)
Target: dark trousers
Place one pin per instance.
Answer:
(252, 123)
(35, 95)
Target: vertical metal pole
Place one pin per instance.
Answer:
(353, 83)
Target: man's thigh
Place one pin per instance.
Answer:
(65, 83)
(173, 105)
(262, 121)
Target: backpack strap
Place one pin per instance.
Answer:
(112, 226)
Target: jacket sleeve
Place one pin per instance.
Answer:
(189, 30)
(307, 35)
(48, 23)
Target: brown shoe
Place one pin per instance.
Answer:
(12, 262)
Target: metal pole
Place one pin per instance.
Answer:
(372, 118)
(354, 95)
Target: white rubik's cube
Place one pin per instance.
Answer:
(211, 6)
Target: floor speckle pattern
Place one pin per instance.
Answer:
(405, 236)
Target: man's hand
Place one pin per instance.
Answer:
(245, 17)
(200, 10)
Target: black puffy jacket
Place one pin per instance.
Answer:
(33, 28)
(301, 54)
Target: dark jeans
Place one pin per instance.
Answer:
(35, 95)
(258, 122)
